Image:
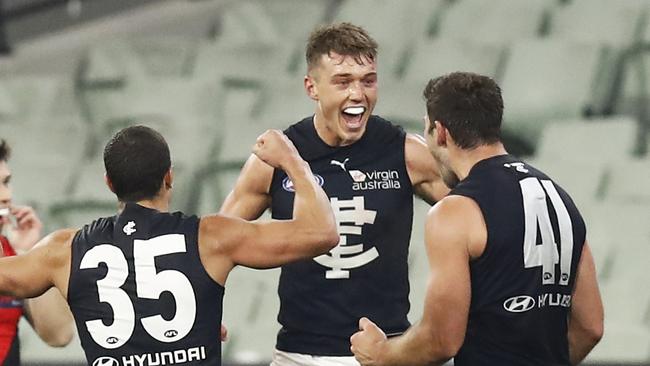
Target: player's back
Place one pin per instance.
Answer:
(523, 282)
(140, 294)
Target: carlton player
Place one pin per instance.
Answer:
(512, 278)
(145, 286)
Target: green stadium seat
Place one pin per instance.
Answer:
(582, 140)
(396, 25)
(402, 101)
(496, 21)
(549, 79)
(628, 181)
(616, 23)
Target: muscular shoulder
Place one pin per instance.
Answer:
(460, 218)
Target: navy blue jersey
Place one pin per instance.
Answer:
(322, 299)
(523, 282)
(140, 294)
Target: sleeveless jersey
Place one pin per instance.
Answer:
(140, 294)
(10, 312)
(522, 283)
(322, 299)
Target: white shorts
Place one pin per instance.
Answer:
(281, 358)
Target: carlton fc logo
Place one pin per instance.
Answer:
(106, 361)
(287, 184)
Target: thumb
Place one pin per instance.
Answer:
(365, 323)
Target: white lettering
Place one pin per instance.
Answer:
(541, 302)
(128, 361)
(141, 359)
(165, 356)
(151, 361)
(180, 356)
(193, 354)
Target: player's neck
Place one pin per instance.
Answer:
(159, 204)
(469, 158)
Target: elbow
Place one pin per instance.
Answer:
(447, 350)
(60, 338)
(331, 239)
(443, 348)
(595, 333)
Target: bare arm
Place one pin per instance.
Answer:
(312, 230)
(423, 170)
(250, 196)
(47, 265)
(51, 318)
(452, 226)
(586, 317)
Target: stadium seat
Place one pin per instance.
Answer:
(43, 160)
(618, 235)
(401, 100)
(583, 140)
(628, 181)
(396, 25)
(548, 79)
(500, 22)
(616, 23)
(250, 311)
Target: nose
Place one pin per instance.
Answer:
(355, 91)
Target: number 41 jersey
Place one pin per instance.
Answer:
(523, 283)
(139, 293)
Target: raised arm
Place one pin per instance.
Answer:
(250, 195)
(453, 226)
(586, 317)
(423, 170)
(311, 232)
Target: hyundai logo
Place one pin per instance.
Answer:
(519, 304)
(106, 361)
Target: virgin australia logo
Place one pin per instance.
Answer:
(106, 361)
(287, 184)
(519, 304)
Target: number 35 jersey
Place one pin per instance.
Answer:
(523, 282)
(139, 293)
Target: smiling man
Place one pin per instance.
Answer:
(370, 170)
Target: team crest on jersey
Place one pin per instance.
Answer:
(129, 228)
(287, 184)
(351, 216)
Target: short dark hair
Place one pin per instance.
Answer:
(343, 38)
(469, 105)
(136, 160)
(5, 150)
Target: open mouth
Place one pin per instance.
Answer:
(353, 116)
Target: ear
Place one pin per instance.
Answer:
(108, 182)
(442, 134)
(168, 179)
(310, 87)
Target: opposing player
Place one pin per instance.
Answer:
(512, 279)
(146, 286)
(370, 170)
(48, 314)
